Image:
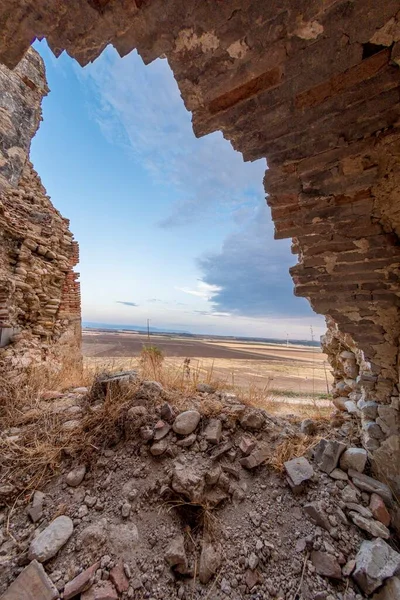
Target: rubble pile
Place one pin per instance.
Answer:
(185, 504)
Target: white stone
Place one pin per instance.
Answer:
(76, 476)
(375, 528)
(354, 458)
(50, 540)
(375, 562)
(186, 422)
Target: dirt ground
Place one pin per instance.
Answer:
(295, 370)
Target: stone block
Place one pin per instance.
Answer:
(376, 561)
(32, 584)
(327, 454)
(299, 470)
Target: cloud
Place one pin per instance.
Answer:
(210, 313)
(127, 303)
(250, 273)
(203, 290)
(140, 108)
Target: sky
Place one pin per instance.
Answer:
(171, 228)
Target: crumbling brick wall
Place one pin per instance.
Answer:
(39, 291)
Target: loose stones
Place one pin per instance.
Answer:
(353, 458)
(375, 562)
(49, 542)
(186, 422)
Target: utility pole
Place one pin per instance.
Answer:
(148, 329)
(313, 358)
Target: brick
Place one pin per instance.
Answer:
(338, 83)
(119, 578)
(247, 90)
(379, 510)
(32, 584)
(81, 582)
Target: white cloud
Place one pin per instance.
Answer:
(203, 290)
(140, 108)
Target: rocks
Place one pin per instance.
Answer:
(101, 591)
(35, 510)
(325, 564)
(252, 419)
(136, 413)
(308, 427)
(150, 390)
(188, 482)
(379, 510)
(372, 429)
(376, 561)
(213, 431)
(175, 554)
(251, 578)
(369, 410)
(390, 591)
(159, 448)
(368, 484)
(298, 471)
(253, 561)
(146, 433)
(161, 430)
(112, 384)
(327, 454)
(167, 413)
(32, 584)
(316, 512)
(81, 582)
(348, 568)
(350, 494)
(205, 388)
(340, 402)
(119, 579)
(364, 512)
(375, 528)
(187, 441)
(186, 422)
(338, 474)
(76, 476)
(353, 458)
(50, 540)
(210, 561)
(351, 407)
(247, 445)
(257, 457)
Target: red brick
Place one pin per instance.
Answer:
(339, 83)
(119, 578)
(81, 582)
(379, 510)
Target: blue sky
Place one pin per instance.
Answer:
(170, 227)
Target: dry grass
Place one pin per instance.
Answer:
(292, 447)
(34, 453)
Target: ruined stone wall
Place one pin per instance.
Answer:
(313, 86)
(39, 292)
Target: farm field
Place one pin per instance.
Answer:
(293, 371)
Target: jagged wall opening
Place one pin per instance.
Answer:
(314, 88)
